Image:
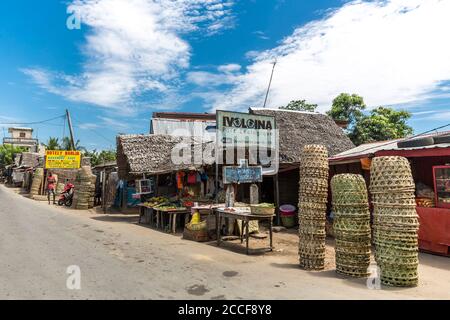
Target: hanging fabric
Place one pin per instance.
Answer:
(180, 177)
(192, 177)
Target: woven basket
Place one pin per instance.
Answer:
(395, 221)
(351, 224)
(255, 209)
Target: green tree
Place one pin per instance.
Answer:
(67, 145)
(52, 144)
(7, 153)
(300, 105)
(101, 157)
(381, 124)
(347, 107)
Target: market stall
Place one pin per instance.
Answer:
(165, 191)
(245, 215)
(430, 166)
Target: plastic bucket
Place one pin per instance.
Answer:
(287, 214)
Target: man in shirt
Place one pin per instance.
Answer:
(51, 186)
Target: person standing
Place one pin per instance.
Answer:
(51, 185)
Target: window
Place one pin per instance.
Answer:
(22, 134)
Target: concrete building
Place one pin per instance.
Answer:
(22, 137)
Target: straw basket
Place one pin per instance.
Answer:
(255, 209)
(313, 194)
(395, 221)
(351, 224)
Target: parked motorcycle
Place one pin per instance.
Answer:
(66, 196)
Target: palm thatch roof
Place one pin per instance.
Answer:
(297, 129)
(152, 154)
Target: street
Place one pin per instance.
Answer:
(122, 260)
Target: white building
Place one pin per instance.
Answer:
(22, 137)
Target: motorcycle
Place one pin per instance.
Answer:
(66, 197)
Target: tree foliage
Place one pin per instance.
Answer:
(101, 157)
(300, 105)
(7, 153)
(382, 123)
(67, 145)
(347, 107)
(52, 144)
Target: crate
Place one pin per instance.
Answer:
(196, 235)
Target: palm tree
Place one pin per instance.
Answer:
(67, 144)
(52, 144)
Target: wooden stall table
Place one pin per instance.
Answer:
(245, 216)
(143, 210)
(173, 213)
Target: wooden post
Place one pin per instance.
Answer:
(156, 185)
(276, 198)
(254, 193)
(103, 198)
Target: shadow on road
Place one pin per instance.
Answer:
(116, 218)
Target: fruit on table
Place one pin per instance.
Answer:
(264, 205)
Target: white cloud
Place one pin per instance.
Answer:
(261, 35)
(133, 47)
(228, 68)
(227, 74)
(390, 52)
(438, 115)
(88, 126)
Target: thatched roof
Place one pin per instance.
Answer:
(297, 129)
(150, 154)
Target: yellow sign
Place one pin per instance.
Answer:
(60, 159)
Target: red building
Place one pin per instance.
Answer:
(429, 157)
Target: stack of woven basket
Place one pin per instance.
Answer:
(395, 221)
(351, 224)
(313, 194)
(85, 188)
(36, 184)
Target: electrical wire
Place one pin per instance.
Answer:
(30, 123)
(95, 131)
(390, 142)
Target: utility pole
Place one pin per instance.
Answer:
(270, 82)
(69, 121)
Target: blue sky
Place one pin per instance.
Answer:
(131, 58)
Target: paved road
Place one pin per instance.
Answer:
(121, 260)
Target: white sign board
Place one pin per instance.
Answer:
(244, 129)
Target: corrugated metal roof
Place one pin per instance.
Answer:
(369, 149)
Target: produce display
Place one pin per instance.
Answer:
(169, 207)
(395, 221)
(313, 194)
(262, 208)
(156, 201)
(351, 224)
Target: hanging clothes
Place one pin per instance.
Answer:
(180, 178)
(192, 177)
(203, 176)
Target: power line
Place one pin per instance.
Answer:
(95, 131)
(30, 123)
(405, 139)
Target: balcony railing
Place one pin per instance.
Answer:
(21, 141)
